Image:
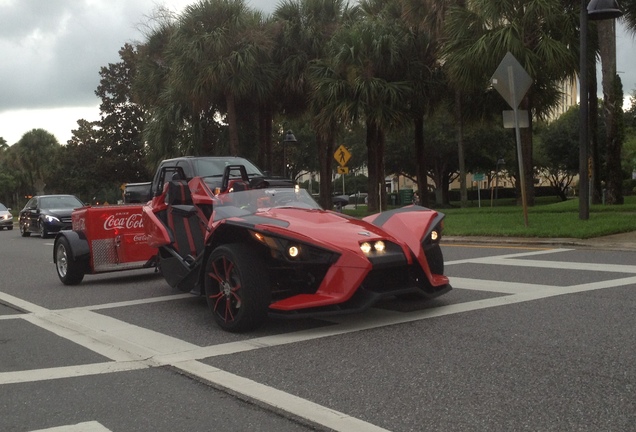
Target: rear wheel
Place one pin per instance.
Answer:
(237, 288)
(69, 271)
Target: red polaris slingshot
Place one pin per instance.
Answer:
(257, 248)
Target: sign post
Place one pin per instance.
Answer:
(512, 82)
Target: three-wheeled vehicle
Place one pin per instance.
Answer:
(102, 239)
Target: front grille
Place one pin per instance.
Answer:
(65, 220)
(388, 280)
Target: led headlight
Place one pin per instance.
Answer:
(51, 218)
(365, 247)
(377, 246)
(293, 251)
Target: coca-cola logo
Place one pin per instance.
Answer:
(133, 221)
(140, 238)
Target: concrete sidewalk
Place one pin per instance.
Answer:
(622, 242)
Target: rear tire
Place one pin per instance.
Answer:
(237, 288)
(70, 271)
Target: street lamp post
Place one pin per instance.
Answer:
(289, 138)
(596, 10)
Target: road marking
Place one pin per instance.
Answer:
(484, 246)
(130, 347)
(92, 426)
(279, 400)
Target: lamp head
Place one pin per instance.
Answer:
(603, 9)
(289, 137)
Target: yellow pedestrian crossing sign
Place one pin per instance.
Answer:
(342, 155)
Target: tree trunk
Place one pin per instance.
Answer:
(381, 169)
(372, 157)
(460, 149)
(233, 124)
(325, 154)
(607, 45)
(420, 155)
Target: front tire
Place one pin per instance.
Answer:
(69, 271)
(237, 288)
(24, 232)
(43, 232)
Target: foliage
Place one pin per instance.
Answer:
(557, 151)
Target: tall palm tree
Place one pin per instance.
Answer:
(217, 54)
(540, 34)
(305, 29)
(359, 82)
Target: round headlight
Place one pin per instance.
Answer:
(365, 247)
(379, 246)
(434, 235)
(293, 251)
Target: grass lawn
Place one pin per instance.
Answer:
(549, 218)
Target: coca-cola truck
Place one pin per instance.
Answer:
(103, 239)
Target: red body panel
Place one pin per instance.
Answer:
(115, 236)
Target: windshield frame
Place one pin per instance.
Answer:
(253, 201)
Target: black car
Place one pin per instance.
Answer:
(47, 214)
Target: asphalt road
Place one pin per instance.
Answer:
(532, 337)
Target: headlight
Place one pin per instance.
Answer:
(376, 246)
(50, 218)
(291, 250)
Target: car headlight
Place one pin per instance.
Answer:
(368, 247)
(50, 218)
(292, 250)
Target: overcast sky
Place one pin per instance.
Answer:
(51, 52)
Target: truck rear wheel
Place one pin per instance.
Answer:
(69, 271)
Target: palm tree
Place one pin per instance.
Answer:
(34, 151)
(425, 20)
(305, 29)
(216, 54)
(540, 34)
(629, 14)
(359, 82)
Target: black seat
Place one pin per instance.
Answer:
(184, 220)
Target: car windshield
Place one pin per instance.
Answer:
(243, 203)
(60, 202)
(2, 207)
(216, 167)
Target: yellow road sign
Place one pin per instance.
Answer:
(342, 155)
(343, 170)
